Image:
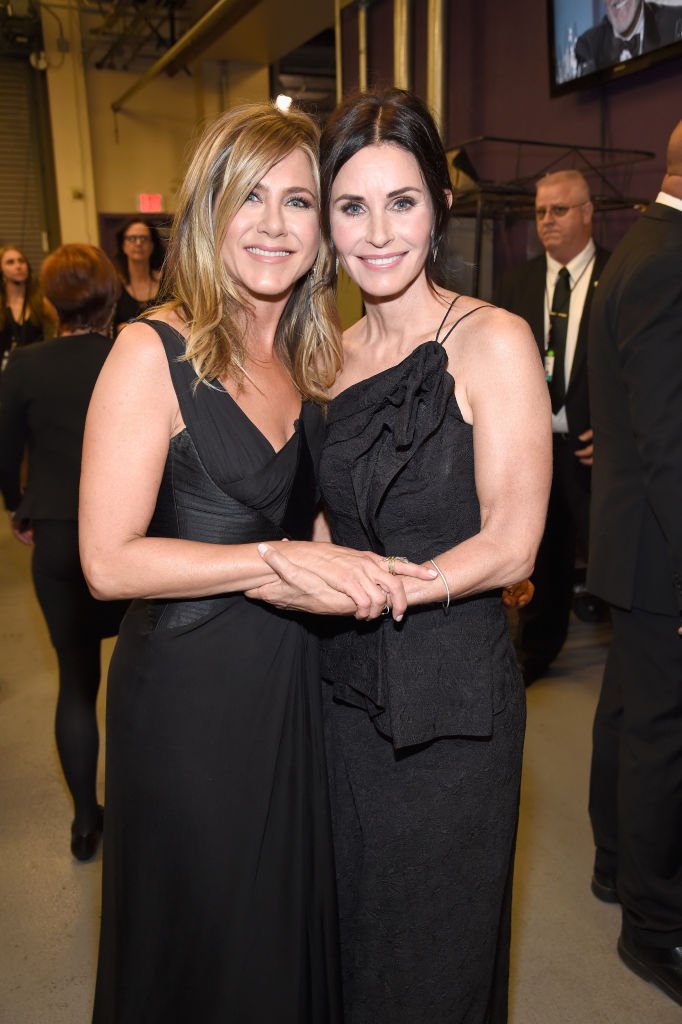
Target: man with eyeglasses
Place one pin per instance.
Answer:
(553, 293)
(628, 29)
(635, 369)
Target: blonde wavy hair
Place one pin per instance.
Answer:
(233, 155)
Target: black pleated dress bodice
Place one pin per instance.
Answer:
(397, 476)
(218, 891)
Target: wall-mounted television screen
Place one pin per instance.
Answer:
(594, 40)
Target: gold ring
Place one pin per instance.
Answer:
(392, 559)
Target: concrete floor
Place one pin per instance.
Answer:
(565, 968)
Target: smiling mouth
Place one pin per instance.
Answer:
(255, 251)
(383, 261)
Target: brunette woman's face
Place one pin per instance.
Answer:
(381, 218)
(14, 267)
(273, 239)
(138, 243)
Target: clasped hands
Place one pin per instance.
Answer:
(327, 579)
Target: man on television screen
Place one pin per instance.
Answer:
(629, 28)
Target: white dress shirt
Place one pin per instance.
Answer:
(668, 200)
(580, 274)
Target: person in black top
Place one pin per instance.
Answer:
(25, 316)
(202, 442)
(635, 368)
(44, 396)
(139, 256)
(438, 449)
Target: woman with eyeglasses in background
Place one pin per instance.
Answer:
(139, 256)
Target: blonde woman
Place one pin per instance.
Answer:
(202, 441)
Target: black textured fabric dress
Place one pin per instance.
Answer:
(425, 720)
(218, 890)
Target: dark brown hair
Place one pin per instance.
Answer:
(390, 115)
(158, 249)
(82, 285)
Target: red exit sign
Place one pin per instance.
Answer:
(150, 202)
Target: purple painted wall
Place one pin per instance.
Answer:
(498, 84)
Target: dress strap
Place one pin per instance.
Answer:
(182, 372)
(447, 314)
(484, 305)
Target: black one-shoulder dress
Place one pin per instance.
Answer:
(218, 888)
(425, 719)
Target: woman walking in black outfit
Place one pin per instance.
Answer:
(44, 397)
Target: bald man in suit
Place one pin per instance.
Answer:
(635, 373)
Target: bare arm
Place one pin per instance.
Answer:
(132, 416)
(501, 390)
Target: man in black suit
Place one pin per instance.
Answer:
(554, 293)
(630, 28)
(635, 370)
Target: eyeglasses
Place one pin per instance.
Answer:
(556, 211)
(137, 238)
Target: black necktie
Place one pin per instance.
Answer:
(558, 329)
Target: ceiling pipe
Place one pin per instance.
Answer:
(221, 17)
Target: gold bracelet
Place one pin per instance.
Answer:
(446, 604)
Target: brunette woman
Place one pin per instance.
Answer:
(25, 316)
(44, 397)
(202, 440)
(437, 448)
(139, 256)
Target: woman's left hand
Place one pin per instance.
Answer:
(22, 529)
(300, 589)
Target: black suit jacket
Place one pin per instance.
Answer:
(44, 396)
(635, 369)
(522, 291)
(598, 47)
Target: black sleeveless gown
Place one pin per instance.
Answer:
(218, 879)
(424, 720)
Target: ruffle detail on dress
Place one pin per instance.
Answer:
(397, 420)
(433, 674)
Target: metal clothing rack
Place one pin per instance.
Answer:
(497, 200)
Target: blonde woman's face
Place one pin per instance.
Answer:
(273, 240)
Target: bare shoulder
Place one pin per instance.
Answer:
(490, 332)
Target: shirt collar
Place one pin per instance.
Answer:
(577, 265)
(667, 200)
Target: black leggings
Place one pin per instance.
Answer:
(76, 728)
(76, 623)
